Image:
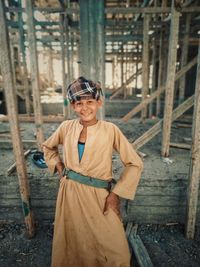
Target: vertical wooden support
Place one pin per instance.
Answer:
(122, 66)
(184, 56)
(34, 74)
(154, 81)
(145, 63)
(100, 75)
(84, 39)
(25, 71)
(92, 39)
(194, 175)
(160, 70)
(171, 69)
(5, 62)
(50, 67)
(64, 82)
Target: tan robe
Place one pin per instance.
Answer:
(84, 236)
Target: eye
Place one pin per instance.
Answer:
(78, 104)
(90, 102)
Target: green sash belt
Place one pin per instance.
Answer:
(91, 181)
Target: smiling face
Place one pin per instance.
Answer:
(86, 109)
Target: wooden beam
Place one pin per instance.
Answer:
(145, 64)
(178, 145)
(139, 250)
(118, 90)
(159, 91)
(100, 75)
(170, 81)
(64, 85)
(6, 68)
(23, 118)
(28, 102)
(149, 10)
(13, 166)
(153, 131)
(194, 174)
(34, 74)
(184, 56)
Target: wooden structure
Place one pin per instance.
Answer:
(151, 47)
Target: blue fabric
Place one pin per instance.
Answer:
(81, 147)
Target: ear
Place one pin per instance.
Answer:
(100, 103)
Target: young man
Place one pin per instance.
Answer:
(88, 229)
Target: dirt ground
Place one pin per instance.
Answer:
(166, 244)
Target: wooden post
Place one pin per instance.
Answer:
(92, 39)
(159, 91)
(64, 85)
(50, 67)
(193, 186)
(154, 82)
(145, 63)
(100, 75)
(25, 71)
(171, 69)
(34, 74)
(153, 131)
(10, 95)
(184, 56)
(84, 38)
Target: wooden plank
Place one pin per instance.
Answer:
(140, 251)
(100, 35)
(64, 89)
(149, 10)
(184, 56)
(145, 64)
(170, 80)
(6, 68)
(153, 131)
(13, 166)
(28, 102)
(182, 146)
(22, 118)
(118, 90)
(34, 74)
(194, 174)
(159, 91)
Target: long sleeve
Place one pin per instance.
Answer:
(127, 185)
(50, 148)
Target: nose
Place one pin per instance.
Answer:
(84, 106)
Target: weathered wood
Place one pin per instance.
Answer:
(100, 75)
(143, 104)
(64, 89)
(182, 146)
(28, 102)
(183, 125)
(170, 81)
(148, 135)
(118, 90)
(13, 166)
(22, 118)
(184, 57)
(194, 173)
(159, 91)
(140, 251)
(34, 74)
(10, 95)
(149, 10)
(145, 64)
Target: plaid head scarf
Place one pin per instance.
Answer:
(81, 87)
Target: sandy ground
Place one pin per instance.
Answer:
(165, 244)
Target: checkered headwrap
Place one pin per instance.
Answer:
(80, 87)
